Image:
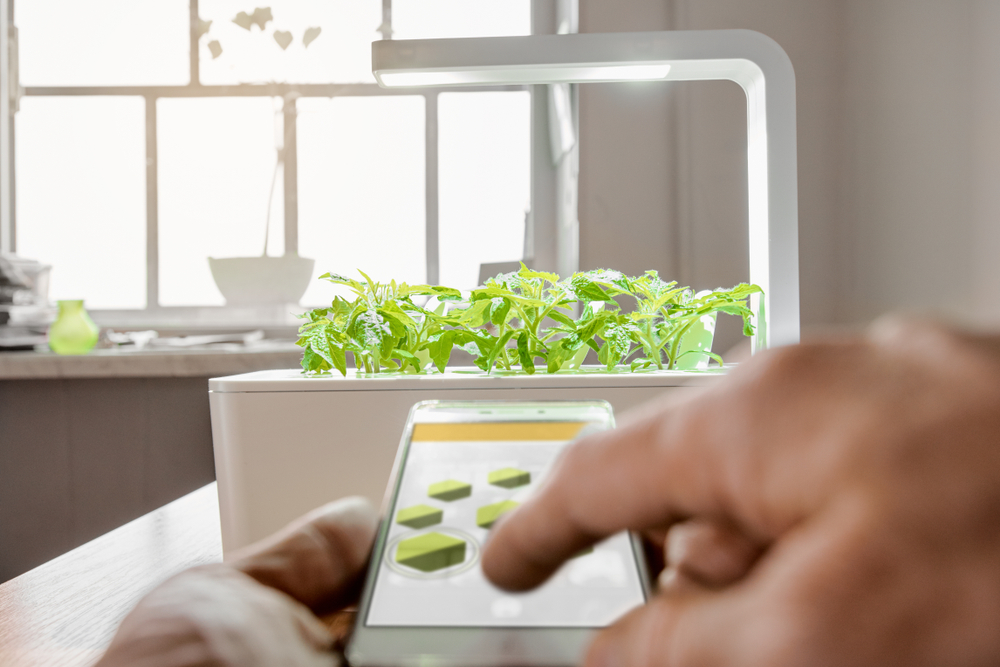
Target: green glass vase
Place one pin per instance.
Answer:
(73, 332)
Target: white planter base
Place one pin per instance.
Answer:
(285, 443)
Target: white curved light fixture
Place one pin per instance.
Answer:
(756, 62)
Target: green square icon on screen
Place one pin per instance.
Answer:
(431, 552)
(419, 516)
(487, 515)
(449, 490)
(509, 478)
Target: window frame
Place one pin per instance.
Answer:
(206, 317)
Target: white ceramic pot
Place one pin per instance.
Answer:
(250, 281)
(286, 443)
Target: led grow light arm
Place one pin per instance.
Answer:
(751, 59)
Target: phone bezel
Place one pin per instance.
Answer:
(448, 646)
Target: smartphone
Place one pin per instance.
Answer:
(426, 602)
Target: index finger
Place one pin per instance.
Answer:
(601, 485)
(703, 455)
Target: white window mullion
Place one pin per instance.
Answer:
(152, 209)
(431, 172)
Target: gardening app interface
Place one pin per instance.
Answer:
(457, 480)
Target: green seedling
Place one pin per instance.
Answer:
(515, 322)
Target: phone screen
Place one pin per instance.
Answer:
(455, 481)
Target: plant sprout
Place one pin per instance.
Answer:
(513, 321)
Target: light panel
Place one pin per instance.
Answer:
(593, 72)
(754, 61)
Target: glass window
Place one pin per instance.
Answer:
(103, 42)
(361, 188)
(339, 51)
(361, 156)
(433, 19)
(81, 196)
(216, 162)
(485, 190)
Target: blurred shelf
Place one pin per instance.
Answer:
(208, 361)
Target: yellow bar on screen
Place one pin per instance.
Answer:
(495, 431)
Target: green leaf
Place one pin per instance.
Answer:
(387, 346)
(312, 362)
(557, 355)
(371, 284)
(490, 292)
(593, 327)
(499, 307)
(369, 330)
(337, 279)
(339, 358)
(440, 350)
(614, 281)
(340, 312)
(528, 274)
(561, 318)
(475, 315)
(618, 343)
(586, 289)
(447, 293)
(524, 356)
(498, 348)
(392, 309)
(400, 324)
(640, 363)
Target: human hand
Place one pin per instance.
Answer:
(259, 608)
(827, 504)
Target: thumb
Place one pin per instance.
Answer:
(317, 559)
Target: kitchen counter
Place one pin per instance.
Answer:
(91, 442)
(206, 361)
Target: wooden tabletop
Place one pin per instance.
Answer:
(64, 613)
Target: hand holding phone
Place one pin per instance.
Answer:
(461, 466)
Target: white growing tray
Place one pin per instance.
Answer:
(287, 443)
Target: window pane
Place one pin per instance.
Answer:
(103, 42)
(484, 181)
(430, 19)
(340, 53)
(81, 196)
(361, 188)
(217, 159)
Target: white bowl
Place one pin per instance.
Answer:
(246, 281)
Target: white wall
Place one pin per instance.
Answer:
(627, 158)
(920, 179)
(986, 160)
(899, 156)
